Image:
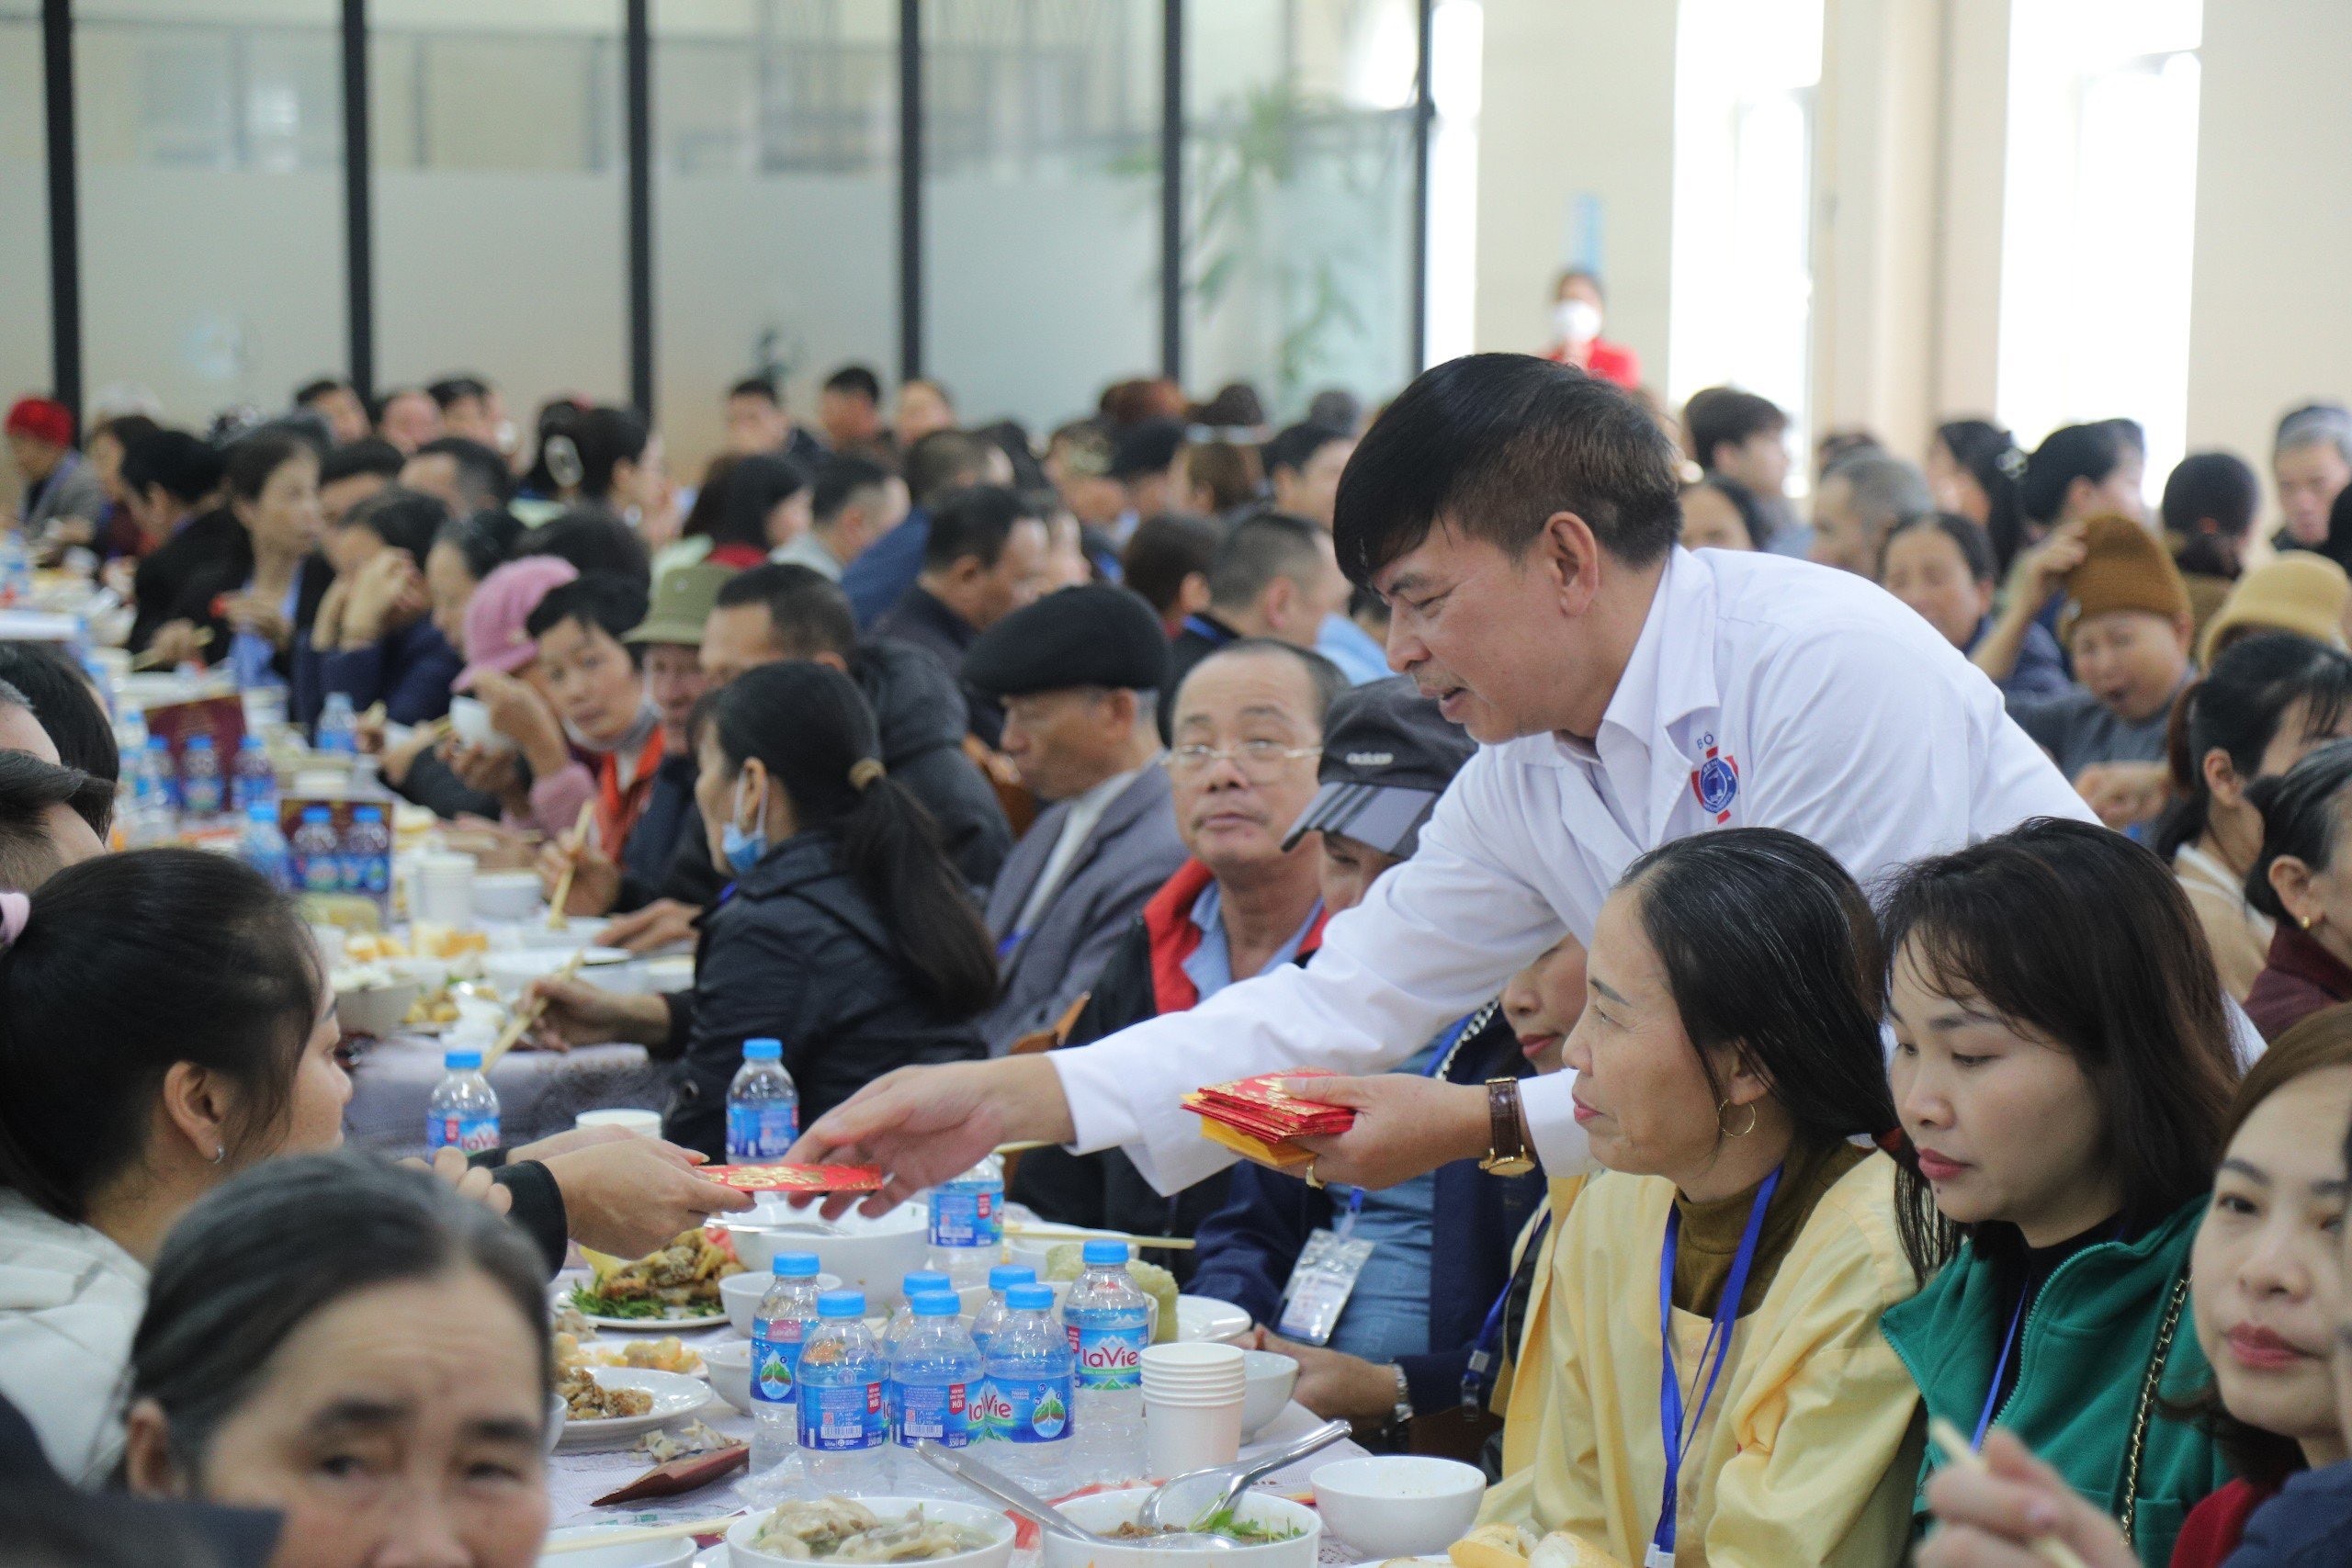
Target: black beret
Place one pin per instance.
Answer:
(1094, 636)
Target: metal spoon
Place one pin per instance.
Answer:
(1236, 1478)
(994, 1483)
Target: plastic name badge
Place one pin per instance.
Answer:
(1320, 1284)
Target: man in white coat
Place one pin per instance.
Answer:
(1520, 518)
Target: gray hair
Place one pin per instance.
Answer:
(263, 1253)
(1887, 489)
(2311, 424)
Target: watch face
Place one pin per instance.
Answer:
(1517, 1165)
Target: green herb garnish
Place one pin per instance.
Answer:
(593, 1305)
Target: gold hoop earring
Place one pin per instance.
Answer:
(1726, 1105)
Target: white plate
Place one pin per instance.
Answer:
(711, 1319)
(1206, 1318)
(674, 1397)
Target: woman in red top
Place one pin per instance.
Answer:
(1576, 306)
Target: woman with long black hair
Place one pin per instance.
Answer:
(847, 936)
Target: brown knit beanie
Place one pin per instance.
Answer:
(2125, 567)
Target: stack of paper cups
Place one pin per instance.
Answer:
(1192, 1406)
(443, 889)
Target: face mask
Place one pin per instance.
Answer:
(744, 849)
(1578, 320)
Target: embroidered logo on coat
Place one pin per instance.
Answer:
(1715, 781)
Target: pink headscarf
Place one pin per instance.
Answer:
(502, 601)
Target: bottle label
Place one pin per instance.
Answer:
(842, 1419)
(1023, 1410)
(775, 1359)
(472, 1135)
(759, 1134)
(934, 1411)
(967, 1216)
(1110, 1350)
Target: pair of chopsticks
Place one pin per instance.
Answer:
(573, 842)
(1056, 1233)
(1957, 1452)
(597, 1540)
(527, 1013)
(151, 658)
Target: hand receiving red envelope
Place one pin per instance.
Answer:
(1257, 1117)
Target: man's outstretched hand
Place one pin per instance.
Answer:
(926, 1125)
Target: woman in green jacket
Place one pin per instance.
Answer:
(2063, 1070)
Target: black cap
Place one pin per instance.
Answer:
(1093, 636)
(1387, 755)
(1146, 448)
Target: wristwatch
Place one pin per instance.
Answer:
(1507, 1152)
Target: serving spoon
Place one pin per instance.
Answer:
(1235, 1479)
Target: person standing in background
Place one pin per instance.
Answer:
(1577, 308)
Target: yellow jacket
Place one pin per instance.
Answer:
(1807, 1453)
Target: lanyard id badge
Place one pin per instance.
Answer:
(1320, 1284)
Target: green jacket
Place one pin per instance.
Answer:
(2082, 1359)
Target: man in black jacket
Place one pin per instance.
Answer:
(985, 558)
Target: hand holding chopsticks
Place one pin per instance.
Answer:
(572, 843)
(2016, 1500)
(527, 1010)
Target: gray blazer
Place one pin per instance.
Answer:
(1132, 850)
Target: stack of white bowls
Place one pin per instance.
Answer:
(1193, 1396)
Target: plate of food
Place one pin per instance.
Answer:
(611, 1408)
(674, 1288)
(666, 1354)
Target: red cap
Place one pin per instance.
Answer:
(43, 419)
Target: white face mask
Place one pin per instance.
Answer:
(1578, 320)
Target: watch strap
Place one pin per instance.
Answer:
(1506, 1140)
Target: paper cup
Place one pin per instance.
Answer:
(1180, 1438)
(470, 719)
(1193, 1360)
(445, 889)
(645, 1123)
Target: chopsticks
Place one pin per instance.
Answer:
(1052, 1233)
(527, 1013)
(1957, 1453)
(597, 1540)
(576, 841)
(149, 659)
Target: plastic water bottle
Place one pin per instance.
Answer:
(256, 782)
(463, 1112)
(763, 1107)
(147, 796)
(989, 1321)
(368, 854)
(936, 1374)
(844, 1435)
(1108, 1321)
(200, 777)
(262, 847)
(15, 570)
(916, 1282)
(317, 865)
(968, 1224)
(778, 1330)
(1026, 1410)
(338, 729)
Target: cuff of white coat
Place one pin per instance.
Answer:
(1549, 1106)
(1171, 1154)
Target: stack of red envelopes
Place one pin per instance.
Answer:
(795, 1178)
(1256, 1117)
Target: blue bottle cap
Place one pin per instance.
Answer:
(203, 741)
(462, 1061)
(368, 814)
(924, 1279)
(250, 741)
(935, 1304)
(841, 1303)
(764, 1050)
(1104, 1254)
(262, 811)
(314, 814)
(795, 1266)
(1030, 1298)
(1004, 1276)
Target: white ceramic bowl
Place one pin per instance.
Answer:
(673, 1553)
(1398, 1505)
(867, 1255)
(506, 895)
(972, 1516)
(729, 1363)
(1265, 1393)
(742, 1293)
(579, 929)
(1106, 1511)
(376, 1009)
(669, 972)
(470, 719)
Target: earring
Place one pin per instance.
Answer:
(2304, 921)
(219, 1154)
(1728, 1133)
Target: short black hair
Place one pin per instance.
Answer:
(1257, 550)
(482, 540)
(482, 474)
(973, 522)
(1717, 415)
(310, 391)
(405, 519)
(28, 788)
(593, 540)
(856, 380)
(840, 477)
(1974, 545)
(1165, 550)
(596, 599)
(370, 455)
(942, 461)
(1294, 447)
(59, 695)
(809, 612)
(755, 387)
(184, 467)
(2218, 486)
(456, 390)
(1326, 683)
(1496, 444)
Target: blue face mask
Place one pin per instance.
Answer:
(744, 849)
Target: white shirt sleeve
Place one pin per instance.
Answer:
(1435, 938)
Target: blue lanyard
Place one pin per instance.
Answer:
(1481, 1351)
(2000, 1370)
(1712, 1354)
(1207, 629)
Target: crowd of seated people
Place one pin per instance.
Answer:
(934, 744)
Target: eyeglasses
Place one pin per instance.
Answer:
(1257, 760)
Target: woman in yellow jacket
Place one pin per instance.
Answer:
(1728, 1056)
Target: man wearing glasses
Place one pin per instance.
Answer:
(1248, 724)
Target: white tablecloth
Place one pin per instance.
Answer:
(539, 1092)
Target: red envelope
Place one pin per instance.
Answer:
(796, 1178)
